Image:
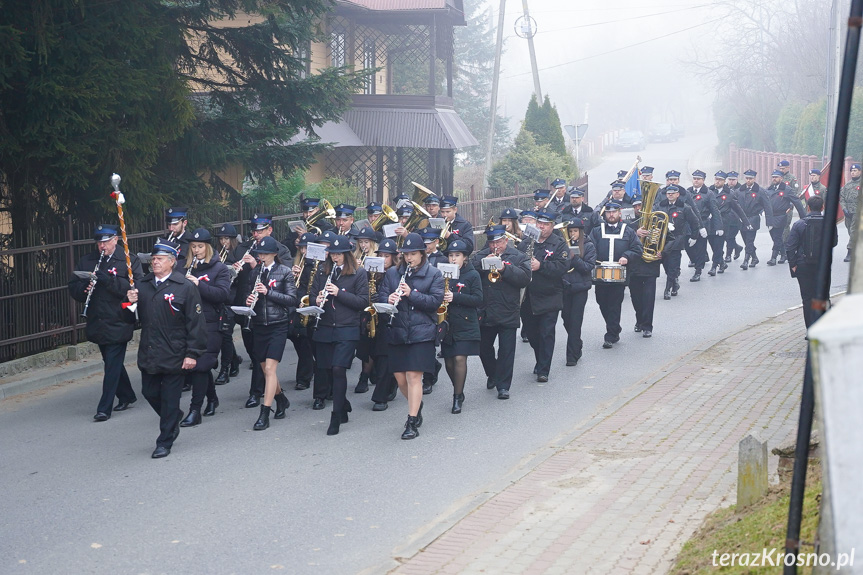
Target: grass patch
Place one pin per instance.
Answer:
(758, 527)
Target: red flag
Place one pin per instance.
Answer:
(825, 176)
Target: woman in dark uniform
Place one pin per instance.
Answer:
(509, 219)
(463, 298)
(417, 289)
(230, 363)
(367, 245)
(387, 386)
(274, 298)
(204, 269)
(343, 293)
(576, 284)
(298, 333)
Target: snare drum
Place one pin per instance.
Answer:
(609, 272)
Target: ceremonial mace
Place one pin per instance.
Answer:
(118, 196)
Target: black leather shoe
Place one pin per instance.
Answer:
(675, 288)
(728, 258)
(318, 403)
(380, 406)
(541, 378)
(754, 262)
(489, 383)
(194, 418)
(524, 339)
(427, 388)
(607, 344)
(124, 405)
(771, 262)
(782, 260)
(722, 268)
(282, 404)
(696, 277)
(263, 421)
(638, 329)
(253, 401)
(411, 431)
(161, 452)
(335, 419)
(745, 265)
(712, 272)
(235, 366)
(503, 394)
(666, 294)
(457, 401)
(347, 410)
(571, 362)
(647, 333)
(737, 252)
(223, 376)
(301, 385)
(101, 417)
(211, 407)
(362, 384)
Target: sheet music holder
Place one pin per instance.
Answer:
(492, 261)
(390, 230)
(532, 232)
(386, 308)
(145, 258)
(316, 252)
(437, 223)
(362, 224)
(83, 275)
(574, 251)
(374, 265)
(243, 310)
(298, 227)
(449, 270)
(310, 310)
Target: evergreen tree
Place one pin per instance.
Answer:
(529, 164)
(544, 123)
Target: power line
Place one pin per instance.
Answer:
(623, 19)
(621, 48)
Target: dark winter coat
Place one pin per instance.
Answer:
(214, 285)
(733, 216)
(281, 298)
(462, 229)
(416, 320)
(502, 300)
(707, 210)
(781, 201)
(107, 321)
(627, 247)
(585, 214)
(754, 201)
(680, 219)
(467, 299)
(578, 277)
(172, 323)
(283, 257)
(798, 238)
(546, 289)
(341, 318)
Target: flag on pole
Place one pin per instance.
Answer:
(633, 187)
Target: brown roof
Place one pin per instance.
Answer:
(399, 4)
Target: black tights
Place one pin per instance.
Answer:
(456, 368)
(340, 389)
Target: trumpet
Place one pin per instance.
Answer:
(399, 293)
(93, 281)
(255, 294)
(493, 275)
(325, 211)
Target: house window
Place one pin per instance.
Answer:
(306, 57)
(338, 48)
(369, 63)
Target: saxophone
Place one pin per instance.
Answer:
(443, 309)
(655, 222)
(372, 326)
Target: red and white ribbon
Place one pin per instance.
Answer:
(271, 283)
(169, 297)
(204, 278)
(113, 271)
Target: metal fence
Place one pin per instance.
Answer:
(37, 314)
(764, 163)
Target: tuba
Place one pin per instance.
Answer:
(418, 217)
(388, 215)
(325, 211)
(655, 222)
(420, 193)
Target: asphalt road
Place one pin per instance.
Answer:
(81, 497)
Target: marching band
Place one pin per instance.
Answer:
(403, 288)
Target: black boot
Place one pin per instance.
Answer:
(772, 260)
(235, 366)
(223, 376)
(712, 272)
(847, 257)
(282, 404)
(194, 418)
(457, 400)
(411, 431)
(263, 419)
(745, 265)
(335, 419)
(419, 417)
(728, 257)
(211, 407)
(754, 261)
(696, 277)
(722, 267)
(782, 259)
(675, 288)
(346, 410)
(363, 384)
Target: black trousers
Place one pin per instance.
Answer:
(228, 352)
(497, 367)
(382, 373)
(671, 263)
(717, 245)
(322, 387)
(698, 253)
(642, 292)
(609, 296)
(806, 280)
(256, 386)
(731, 239)
(573, 317)
(202, 385)
(778, 243)
(539, 330)
(749, 242)
(162, 391)
(305, 359)
(115, 382)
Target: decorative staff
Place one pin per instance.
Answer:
(118, 196)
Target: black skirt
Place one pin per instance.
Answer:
(334, 354)
(453, 349)
(270, 340)
(412, 357)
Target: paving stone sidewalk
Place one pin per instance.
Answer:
(626, 494)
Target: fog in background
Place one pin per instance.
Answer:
(623, 59)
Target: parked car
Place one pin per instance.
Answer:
(630, 140)
(662, 133)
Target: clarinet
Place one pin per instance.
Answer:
(255, 295)
(233, 269)
(192, 267)
(92, 284)
(325, 293)
(399, 300)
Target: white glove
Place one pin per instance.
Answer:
(720, 233)
(702, 232)
(692, 242)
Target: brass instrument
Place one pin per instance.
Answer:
(388, 215)
(255, 294)
(418, 217)
(443, 243)
(443, 309)
(493, 275)
(325, 211)
(93, 281)
(510, 236)
(300, 275)
(304, 301)
(372, 326)
(655, 222)
(399, 294)
(421, 193)
(623, 179)
(564, 232)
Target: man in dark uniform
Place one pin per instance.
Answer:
(848, 198)
(732, 247)
(615, 242)
(173, 337)
(803, 248)
(646, 173)
(559, 198)
(642, 281)
(308, 206)
(618, 196)
(815, 187)
(459, 228)
(499, 318)
(781, 201)
(431, 204)
(543, 297)
(540, 199)
(345, 220)
(431, 238)
(680, 219)
(792, 187)
(711, 222)
(177, 222)
(262, 226)
(732, 216)
(754, 201)
(672, 178)
(107, 325)
(578, 210)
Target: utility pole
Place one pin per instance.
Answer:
(833, 63)
(489, 148)
(530, 33)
